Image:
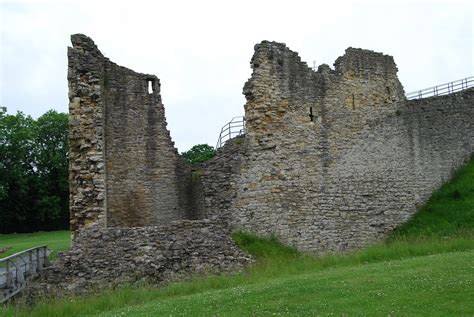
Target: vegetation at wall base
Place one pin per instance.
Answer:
(448, 213)
(424, 268)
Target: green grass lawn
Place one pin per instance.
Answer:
(55, 240)
(436, 285)
(425, 267)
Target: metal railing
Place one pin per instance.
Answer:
(234, 128)
(237, 127)
(17, 269)
(444, 89)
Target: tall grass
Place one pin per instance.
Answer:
(448, 213)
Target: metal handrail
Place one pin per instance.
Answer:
(444, 89)
(234, 128)
(18, 268)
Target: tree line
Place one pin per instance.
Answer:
(34, 189)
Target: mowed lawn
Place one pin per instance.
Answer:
(55, 240)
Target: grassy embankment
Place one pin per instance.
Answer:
(425, 267)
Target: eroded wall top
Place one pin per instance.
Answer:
(283, 89)
(124, 169)
(334, 159)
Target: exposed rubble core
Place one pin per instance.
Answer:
(106, 257)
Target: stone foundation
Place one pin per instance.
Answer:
(103, 258)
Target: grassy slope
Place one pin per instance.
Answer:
(440, 284)
(425, 263)
(55, 240)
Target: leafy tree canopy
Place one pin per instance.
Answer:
(199, 153)
(34, 190)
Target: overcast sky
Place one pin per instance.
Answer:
(201, 49)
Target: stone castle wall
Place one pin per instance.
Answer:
(86, 134)
(349, 174)
(124, 169)
(103, 258)
(333, 159)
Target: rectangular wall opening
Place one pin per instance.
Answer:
(150, 86)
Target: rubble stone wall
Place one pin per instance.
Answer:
(347, 175)
(105, 257)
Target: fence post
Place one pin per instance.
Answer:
(8, 277)
(45, 256)
(30, 263)
(16, 273)
(38, 259)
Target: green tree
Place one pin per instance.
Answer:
(33, 172)
(51, 152)
(17, 174)
(199, 153)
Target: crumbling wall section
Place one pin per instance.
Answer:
(336, 158)
(147, 181)
(86, 134)
(106, 257)
(125, 170)
(215, 181)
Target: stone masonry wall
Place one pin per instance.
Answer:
(124, 169)
(105, 257)
(86, 134)
(333, 159)
(347, 175)
(214, 181)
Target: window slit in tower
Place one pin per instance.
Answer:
(150, 86)
(353, 102)
(311, 116)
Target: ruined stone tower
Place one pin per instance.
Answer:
(124, 169)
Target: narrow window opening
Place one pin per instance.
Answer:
(150, 86)
(353, 102)
(311, 116)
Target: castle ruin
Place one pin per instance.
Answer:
(332, 160)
